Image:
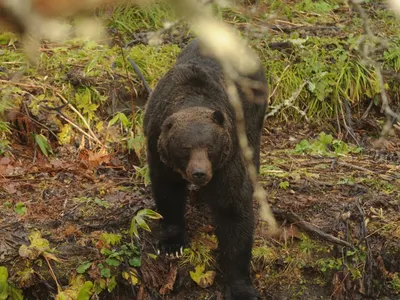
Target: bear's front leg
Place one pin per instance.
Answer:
(234, 219)
(170, 194)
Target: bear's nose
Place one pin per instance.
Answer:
(199, 174)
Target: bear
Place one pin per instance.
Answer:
(191, 139)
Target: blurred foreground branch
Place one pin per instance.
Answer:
(43, 18)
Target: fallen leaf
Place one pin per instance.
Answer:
(203, 280)
(171, 278)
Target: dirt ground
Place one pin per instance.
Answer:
(354, 198)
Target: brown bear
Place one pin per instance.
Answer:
(192, 139)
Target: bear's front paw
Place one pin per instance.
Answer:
(241, 290)
(172, 241)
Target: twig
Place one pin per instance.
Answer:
(349, 121)
(37, 122)
(289, 103)
(94, 137)
(22, 84)
(367, 276)
(279, 81)
(59, 289)
(344, 164)
(297, 220)
(77, 127)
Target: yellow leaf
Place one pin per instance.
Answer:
(202, 279)
(131, 276)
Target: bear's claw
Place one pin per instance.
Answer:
(172, 242)
(169, 250)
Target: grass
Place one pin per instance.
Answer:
(130, 19)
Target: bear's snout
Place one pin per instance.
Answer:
(199, 175)
(199, 170)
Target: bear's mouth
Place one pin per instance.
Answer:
(200, 182)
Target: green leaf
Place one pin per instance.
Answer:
(135, 262)
(38, 242)
(124, 120)
(7, 291)
(20, 208)
(111, 238)
(14, 293)
(3, 283)
(133, 229)
(106, 272)
(101, 203)
(302, 147)
(83, 267)
(142, 223)
(43, 144)
(149, 214)
(326, 139)
(99, 285)
(91, 65)
(113, 262)
(284, 185)
(111, 284)
(311, 87)
(85, 291)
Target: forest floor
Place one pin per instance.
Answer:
(354, 198)
(66, 218)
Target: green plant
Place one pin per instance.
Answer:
(110, 239)
(78, 289)
(307, 245)
(43, 144)
(320, 6)
(143, 173)
(328, 264)
(7, 290)
(395, 283)
(325, 145)
(197, 254)
(20, 208)
(284, 185)
(139, 220)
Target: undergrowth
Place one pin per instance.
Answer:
(331, 68)
(130, 19)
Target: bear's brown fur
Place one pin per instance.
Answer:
(192, 138)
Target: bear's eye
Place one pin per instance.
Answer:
(186, 148)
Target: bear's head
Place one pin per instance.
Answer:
(195, 142)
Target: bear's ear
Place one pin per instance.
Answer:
(218, 117)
